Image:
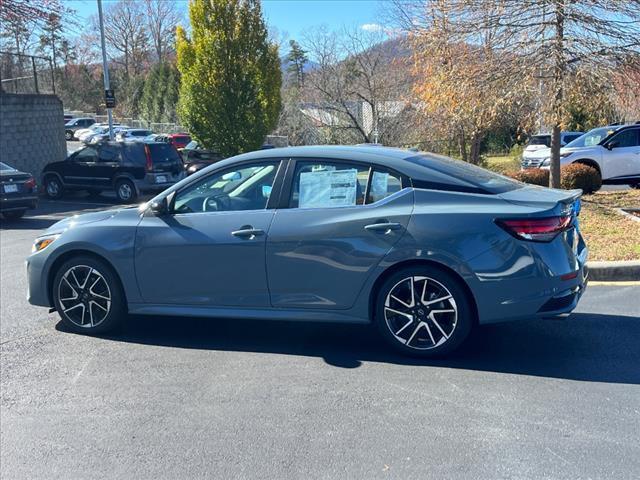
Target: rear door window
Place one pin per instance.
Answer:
(327, 184)
(382, 185)
(627, 138)
(86, 155)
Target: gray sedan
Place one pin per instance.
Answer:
(423, 246)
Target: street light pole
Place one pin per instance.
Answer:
(105, 69)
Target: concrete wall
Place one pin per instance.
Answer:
(31, 131)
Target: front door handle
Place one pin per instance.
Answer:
(384, 227)
(247, 231)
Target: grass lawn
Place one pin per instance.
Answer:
(610, 235)
(502, 164)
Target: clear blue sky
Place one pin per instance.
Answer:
(293, 17)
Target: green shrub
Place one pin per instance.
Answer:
(579, 175)
(534, 176)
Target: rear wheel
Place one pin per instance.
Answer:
(423, 311)
(126, 191)
(14, 214)
(68, 135)
(88, 296)
(53, 187)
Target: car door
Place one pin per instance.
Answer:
(103, 170)
(622, 155)
(340, 219)
(210, 249)
(77, 170)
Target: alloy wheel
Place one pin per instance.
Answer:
(420, 312)
(125, 192)
(53, 188)
(85, 296)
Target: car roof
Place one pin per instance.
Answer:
(393, 158)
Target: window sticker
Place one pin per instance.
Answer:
(379, 185)
(328, 188)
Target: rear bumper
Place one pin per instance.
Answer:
(150, 182)
(18, 203)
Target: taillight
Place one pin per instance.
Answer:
(536, 229)
(149, 162)
(30, 184)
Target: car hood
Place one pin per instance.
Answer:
(122, 215)
(534, 148)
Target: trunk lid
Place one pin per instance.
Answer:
(541, 197)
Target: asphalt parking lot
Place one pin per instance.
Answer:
(192, 398)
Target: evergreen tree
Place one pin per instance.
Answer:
(297, 58)
(230, 75)
(160, 94)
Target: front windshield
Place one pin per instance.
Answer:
(592, 137)
(541, 140)
(5, 167)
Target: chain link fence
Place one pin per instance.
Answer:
(24, 74)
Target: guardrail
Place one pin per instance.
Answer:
(24, 74)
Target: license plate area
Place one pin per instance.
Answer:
(10, 188)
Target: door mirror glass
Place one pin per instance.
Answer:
(612, 145)
(159, 206)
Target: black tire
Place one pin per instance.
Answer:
(417, 334)
(126, 191)
(68, 310)
(14, 214)
(635, 185)
(68, 135)
(53, 187)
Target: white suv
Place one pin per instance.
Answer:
(614, 151)
(542, 141)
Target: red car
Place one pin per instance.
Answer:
(178, 140)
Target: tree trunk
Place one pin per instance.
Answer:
(474, 156)
(462, 146)
(558, 86)
(554, 169)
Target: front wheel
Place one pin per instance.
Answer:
(53, 187)
(423, 311)
(68, 135)
(88, 296)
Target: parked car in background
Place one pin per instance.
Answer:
(178, 140)
(196, 158)
(83, 132)
(67, 117)
(18, 192)
(133, 135)
(128, 168)
(103, 135)
(614, 151)
(76, 124)
(543, 141)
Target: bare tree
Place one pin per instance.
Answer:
(162, 18)
(542, 41)
(126, 35)
(358, 84)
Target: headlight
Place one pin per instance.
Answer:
(546, 162)
(43, 242)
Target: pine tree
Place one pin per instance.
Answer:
(297, 58)
(230, 75)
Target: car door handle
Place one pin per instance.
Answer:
(247, 232)
(383, 227)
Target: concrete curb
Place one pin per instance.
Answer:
(621, 271)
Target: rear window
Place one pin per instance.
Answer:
(541, 140)
(163, 152)
(5, 167)
(182, 139)
(484, 180)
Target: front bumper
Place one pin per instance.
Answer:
(18, 202)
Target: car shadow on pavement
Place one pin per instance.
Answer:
(588, 347)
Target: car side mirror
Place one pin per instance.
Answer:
(612, 145)
(159, 206)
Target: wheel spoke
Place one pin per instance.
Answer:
(433, 319)
(441, 299)
(93, 302)
(400, 301)
(430, 334)
(405, 326)
(90, 314)
(413, 295)
(408, 315)
(414, 332)
(73, 273)
(70, 286)
(66, 310)
(424, 291)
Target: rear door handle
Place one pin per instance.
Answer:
(247, 232)
(383, 227)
